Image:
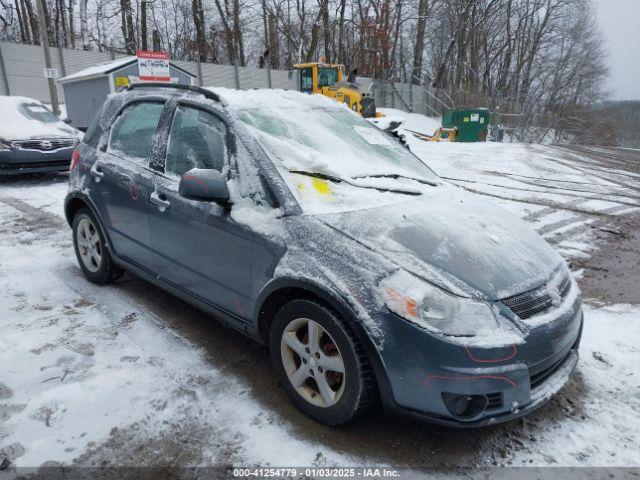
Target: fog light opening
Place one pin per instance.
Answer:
(465, 406)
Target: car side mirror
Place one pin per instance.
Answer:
(67, 121)
(204, 185)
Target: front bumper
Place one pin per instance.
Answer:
(16, 162)
(423, 370)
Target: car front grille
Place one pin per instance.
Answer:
(52, 164)
(494, 401)
(540, 299)
(43, 144)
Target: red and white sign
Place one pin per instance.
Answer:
(153, 66)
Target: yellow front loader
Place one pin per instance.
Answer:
(329, 80)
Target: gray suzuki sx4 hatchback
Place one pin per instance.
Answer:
(295, 221)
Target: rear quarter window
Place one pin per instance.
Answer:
(92, 135)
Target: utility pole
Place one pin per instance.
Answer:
(3, 73)
(44, 40)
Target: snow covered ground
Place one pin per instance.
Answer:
(127, 375)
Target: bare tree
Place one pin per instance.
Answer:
(84, 28)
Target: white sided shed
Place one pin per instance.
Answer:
(84, 91)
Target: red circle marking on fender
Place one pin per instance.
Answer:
(134, 191)
(492, 360)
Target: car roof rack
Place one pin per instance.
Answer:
(190, 88)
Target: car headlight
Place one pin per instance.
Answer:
(4, 146)
(434, 309)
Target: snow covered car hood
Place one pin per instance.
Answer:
(24, 118)
(458, 241)
(29, 130)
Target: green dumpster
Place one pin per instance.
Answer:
(471, 124)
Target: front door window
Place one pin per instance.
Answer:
(132, 133)
(306, 80)
(198, 139)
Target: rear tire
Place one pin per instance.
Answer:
(91, 249)
(309, 365)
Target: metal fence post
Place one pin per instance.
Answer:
(63, 69)
(268, 75)
(236, 69)
(425, 97)
(3, 73)
(199, 69)
(393, 92)
(411, 95)
(383, 90)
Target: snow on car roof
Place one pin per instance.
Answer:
(264, 98)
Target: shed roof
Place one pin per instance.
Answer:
(103, 69)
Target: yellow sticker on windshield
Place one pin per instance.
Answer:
(322, 187)
(314, 187)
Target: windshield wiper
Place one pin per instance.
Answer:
(336, 179)
(397, 175)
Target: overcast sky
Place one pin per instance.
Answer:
(620, 23)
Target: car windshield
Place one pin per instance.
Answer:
(333, 142)
(35, 111)
(333, 159)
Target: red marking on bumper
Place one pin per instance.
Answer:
(468, 377)
(495, 360)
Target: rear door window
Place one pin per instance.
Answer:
(198, 139)
(132, 133)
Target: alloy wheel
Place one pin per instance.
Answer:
(89, 245)
(313, 363)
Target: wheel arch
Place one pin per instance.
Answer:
(77, 201)
(280, 291)
(73, 205)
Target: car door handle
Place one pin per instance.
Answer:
(159, 200)
(97, 172)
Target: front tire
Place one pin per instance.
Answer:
(319, 362)
(91, 250)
